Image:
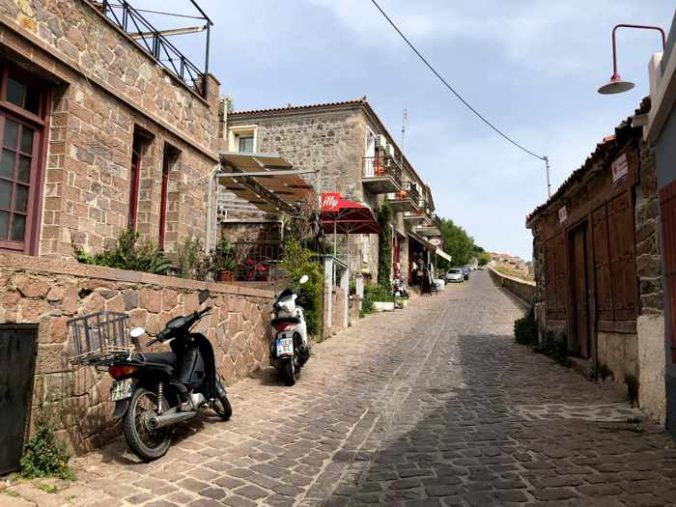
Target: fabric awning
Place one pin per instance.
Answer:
(349, 217)
(426, 244)
(443, 255)
(270, 193)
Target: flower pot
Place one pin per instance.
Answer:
(225, 276)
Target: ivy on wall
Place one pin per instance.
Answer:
(385, 245)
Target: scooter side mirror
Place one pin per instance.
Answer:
(304, 279)
(203, 295)
(137, 332)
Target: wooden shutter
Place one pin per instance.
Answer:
(604, 286)
(622, 253)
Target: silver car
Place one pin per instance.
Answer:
(454, 275)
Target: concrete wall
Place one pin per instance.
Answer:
(618, 352)
(103, 86)
(49, 292)
(522, 289)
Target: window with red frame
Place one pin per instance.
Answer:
(23, 107)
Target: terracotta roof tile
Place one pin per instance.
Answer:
(353, 102)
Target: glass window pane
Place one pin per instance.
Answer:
(5, 194)
(18, 227)
(4, 225)
(32, 100)
(15, 92)
(246, 144)
(24, 172)
(26, 140)
(7, 163)
(11, 133)
(21, 198)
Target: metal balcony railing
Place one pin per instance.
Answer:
(156, 44)
(382, 165)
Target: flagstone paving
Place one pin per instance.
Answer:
(432, 405)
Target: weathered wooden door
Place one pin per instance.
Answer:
(17, 363)
(579, 291)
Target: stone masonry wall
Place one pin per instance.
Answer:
(650, 323)
(48, 293)
(103, 88)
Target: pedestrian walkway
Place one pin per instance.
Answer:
(432, 405)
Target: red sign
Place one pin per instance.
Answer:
(330, 201)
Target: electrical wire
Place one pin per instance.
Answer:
(452, 90)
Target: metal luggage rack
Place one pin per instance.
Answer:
(99, 338)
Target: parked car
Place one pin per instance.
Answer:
(465, 272)
(454, 275)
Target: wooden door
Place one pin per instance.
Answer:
(580, 292)
(668, 208)
(17, 364)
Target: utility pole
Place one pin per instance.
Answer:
(403, 128)
(549, 184)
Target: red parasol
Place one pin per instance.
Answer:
(348, 217)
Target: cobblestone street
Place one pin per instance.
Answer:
(432, 405)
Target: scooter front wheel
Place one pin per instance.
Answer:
(148, 444)
(223, 408)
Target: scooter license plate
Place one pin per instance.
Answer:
(284, 346)
(122, 389)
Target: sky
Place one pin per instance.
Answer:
(532, 67)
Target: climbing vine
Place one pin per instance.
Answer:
(385, 245)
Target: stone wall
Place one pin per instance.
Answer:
(650, 324)
(49, 292)
(522, 289)
(104, 87)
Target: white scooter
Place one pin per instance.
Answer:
(289, 348)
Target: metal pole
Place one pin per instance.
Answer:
(549, 185)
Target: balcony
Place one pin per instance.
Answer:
(407, 199)
(381, 175)
(156, 42)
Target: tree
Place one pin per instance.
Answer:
(457, 243)
(484, 258)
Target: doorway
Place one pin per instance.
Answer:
(579, 281)
(17, 367)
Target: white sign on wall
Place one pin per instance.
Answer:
(435, 241)
(563, 214)
(620, 167)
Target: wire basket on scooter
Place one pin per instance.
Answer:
(99, 338)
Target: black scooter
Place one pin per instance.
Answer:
(153, 391)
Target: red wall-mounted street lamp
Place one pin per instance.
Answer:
(616, 84)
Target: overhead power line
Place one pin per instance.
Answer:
(452, 90)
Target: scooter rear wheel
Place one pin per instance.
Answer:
(289, 372)
(146, 443)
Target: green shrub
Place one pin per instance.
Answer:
(129, 254)
(296, 262)
(45, 455)
(526, 330)
(372, 293)
(192, 260)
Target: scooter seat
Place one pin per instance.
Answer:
(290, 320)
(168, 358)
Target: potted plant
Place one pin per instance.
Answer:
(224, 260)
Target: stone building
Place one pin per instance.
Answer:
(660, 131)
(596, 253)
(354, 155)
(99, 134)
